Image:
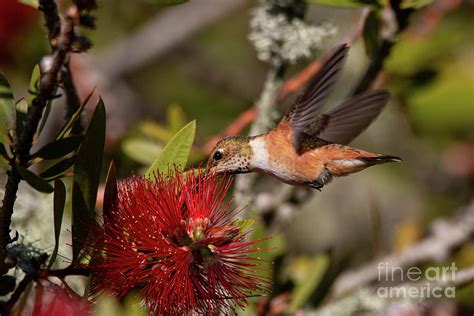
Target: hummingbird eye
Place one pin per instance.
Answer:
(218, 155)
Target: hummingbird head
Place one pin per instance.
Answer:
(231, 155)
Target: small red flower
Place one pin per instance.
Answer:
(48, 299)
(176, 240)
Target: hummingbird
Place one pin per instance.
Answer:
(307, 147)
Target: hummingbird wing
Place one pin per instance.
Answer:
(346, 121)
(304, 110)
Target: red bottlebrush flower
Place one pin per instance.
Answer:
(176, 240)
(49, 299)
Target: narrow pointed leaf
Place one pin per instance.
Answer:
(415, 4)
(34, 82)
(44, 119)
(34, 180)
(244, 225)
(110, 192)
(21, 110)
(59, 203)
(3, 150)
(80, 217)
(59, 148)
(32, 3)
(58, 168)
(306, 275)
(74, 118)
(371, 33)
(176, 152)
(176, 117)
(7, 111)
(86, 179)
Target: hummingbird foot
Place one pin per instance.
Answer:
(323, 178)
(316, 185)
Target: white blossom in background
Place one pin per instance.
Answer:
(277, 39)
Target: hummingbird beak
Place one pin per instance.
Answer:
(210, 168)
(213, 168)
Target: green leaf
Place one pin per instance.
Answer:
(76, 116)
(7, 111)
(21, 106)
(44, 119)
(86, 179)
(107, 305)
(59, 148)
(3, 150)
(21, 111)
(167, 2)
(141, 150)
(176, 117)
(306, 274)
(133, 306)
(350, 4)
(195, 172)
(34, 82)
(59, 203)
(110, 191)
(175, 152)
(415, 4)
(277, 245)
(31, 3)
(371, 33)
(244, 225)
(155, 131)
(34, 180)
(58, 168)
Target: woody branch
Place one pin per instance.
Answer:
(62, 38)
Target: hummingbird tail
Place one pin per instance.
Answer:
(345, 167)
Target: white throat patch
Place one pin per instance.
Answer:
(260, 154)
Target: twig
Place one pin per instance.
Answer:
(53, 24)
(446, 236)
(52, 20)
(48, 84)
